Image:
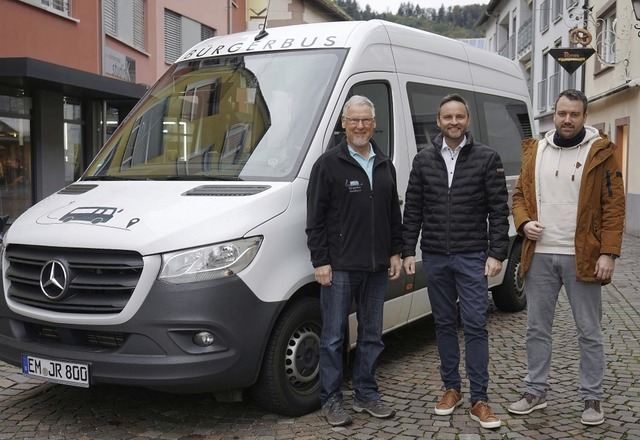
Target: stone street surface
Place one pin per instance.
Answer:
(408, 378)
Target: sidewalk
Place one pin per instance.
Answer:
(408, 377)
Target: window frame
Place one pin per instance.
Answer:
(65, 11)
(607, 16)
(133, 32)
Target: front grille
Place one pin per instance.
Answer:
(93, 339)
(100, 281)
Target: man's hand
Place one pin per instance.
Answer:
(492, 267)
(409, 264)
(604, 267)
(395, 266)
(533, 230)
(324, 275)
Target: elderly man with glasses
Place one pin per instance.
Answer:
(355, 237)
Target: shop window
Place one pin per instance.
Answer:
(73, 144)
(112, 121)
(15, 154)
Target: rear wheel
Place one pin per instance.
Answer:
(289, 382)
(509, 296)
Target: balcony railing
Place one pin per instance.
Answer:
(508, 49)
(504, 49)
(525, 36)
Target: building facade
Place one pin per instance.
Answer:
(612, 85)
(69, 81)
(529, 31)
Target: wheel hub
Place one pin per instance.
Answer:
(302, 357)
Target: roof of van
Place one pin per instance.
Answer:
(380, 46)
(308, 36)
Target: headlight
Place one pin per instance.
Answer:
(209, 262)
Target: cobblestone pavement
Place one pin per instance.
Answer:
(408, 377)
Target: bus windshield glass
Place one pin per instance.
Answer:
(248, 117)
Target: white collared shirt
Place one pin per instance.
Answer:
(451, 157)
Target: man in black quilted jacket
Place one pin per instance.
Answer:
(457, 197)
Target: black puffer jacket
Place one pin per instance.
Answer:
(351, 226)
(455, 220)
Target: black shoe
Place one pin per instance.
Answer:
(334, 412)
(374, 407)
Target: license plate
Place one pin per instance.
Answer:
(66, 373)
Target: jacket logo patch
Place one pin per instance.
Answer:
(353, 185)
(500, 170)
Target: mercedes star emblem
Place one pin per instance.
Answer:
(54, 279)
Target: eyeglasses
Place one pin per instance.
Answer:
(355, 121)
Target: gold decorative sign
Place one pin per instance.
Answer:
(570, 58)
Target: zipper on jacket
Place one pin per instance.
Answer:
(609, 190)
(373, 232)
(448, 241)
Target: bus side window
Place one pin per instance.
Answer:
(424, 100)
(379, 93)
(507, 123)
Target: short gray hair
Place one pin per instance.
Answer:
(358, 100)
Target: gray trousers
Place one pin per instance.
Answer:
(546, 275)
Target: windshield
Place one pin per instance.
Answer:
(248, 117)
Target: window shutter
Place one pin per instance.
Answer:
(110, 17)
(206, 32)
(138, 25)
(172, 36)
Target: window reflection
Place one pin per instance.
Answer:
(15, 156)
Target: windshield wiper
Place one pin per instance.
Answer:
(107, 178)
(202, 177)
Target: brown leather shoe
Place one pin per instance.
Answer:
(482, 413)
(448, 403)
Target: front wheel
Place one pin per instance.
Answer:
(509, 296)
(289, 380)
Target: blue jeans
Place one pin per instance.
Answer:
(546, 275)
(369, 290)
(460, 277)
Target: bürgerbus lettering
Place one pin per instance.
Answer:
(288, 43)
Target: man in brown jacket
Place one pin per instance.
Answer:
(569, 204)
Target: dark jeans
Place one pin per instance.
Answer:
(368, 289)
(460, 277)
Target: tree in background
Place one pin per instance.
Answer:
(454, 21)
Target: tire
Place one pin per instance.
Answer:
(509, 296)
(289, 380)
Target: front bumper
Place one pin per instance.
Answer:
(155, 348)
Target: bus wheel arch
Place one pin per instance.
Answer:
(289, 379)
